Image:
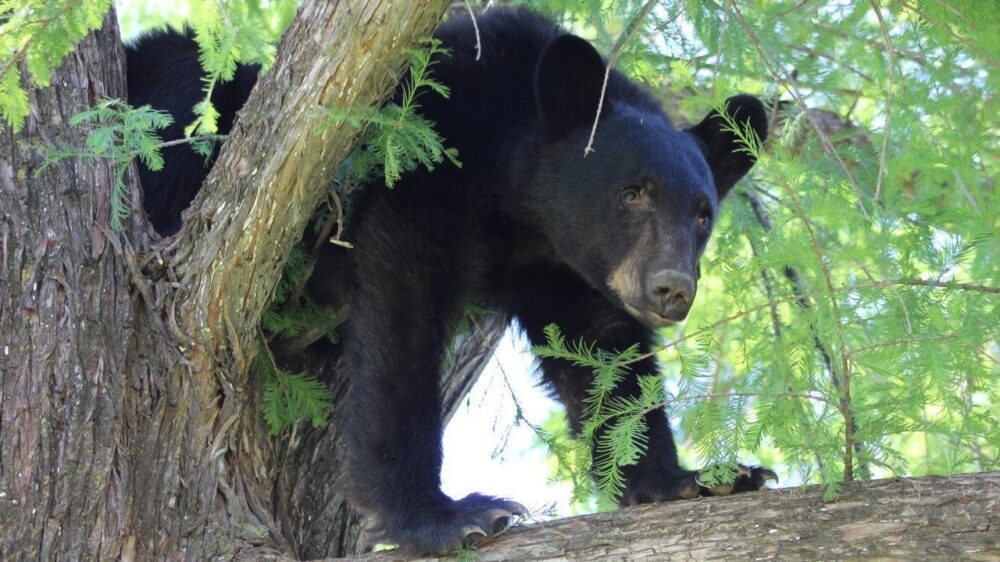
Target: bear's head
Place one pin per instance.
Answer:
(634, 216)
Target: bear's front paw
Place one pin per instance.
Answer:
(746, 479)
(686, 484)
(448, 527)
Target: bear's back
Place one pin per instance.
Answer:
(491, 109)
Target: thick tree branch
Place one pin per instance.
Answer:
(256, 202)
(931, 518)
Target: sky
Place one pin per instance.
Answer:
(484, 452)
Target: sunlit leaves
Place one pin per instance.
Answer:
(397, 138)
(38, 34)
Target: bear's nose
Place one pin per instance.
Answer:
(673, 292)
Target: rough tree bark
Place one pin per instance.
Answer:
(934, 518)
(129, 425)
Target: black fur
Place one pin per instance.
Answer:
(162, 70)
(606, 246)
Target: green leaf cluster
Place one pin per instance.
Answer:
(615, 427)
(289, 398)
(35, 35)
(397, 138)
(119, 133)
(293, 311)
(228, 33)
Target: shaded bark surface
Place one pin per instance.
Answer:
(933, 518)
(67, 330)
(129, 425)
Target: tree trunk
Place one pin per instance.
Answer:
(129, 426)
(68, 328)
(933, 518)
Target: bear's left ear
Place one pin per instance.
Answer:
(568, 80)
(724, 152)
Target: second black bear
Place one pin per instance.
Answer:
(605, 246)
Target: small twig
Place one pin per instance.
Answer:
(732, 394)
(900, 341)
(17, 56)
(833, 60)
(965, 191)
(324, 233)
(519, 416)
(27, 43)
(188, 140)
(941, 285)
(616, 53)
(335, 239)
(475, 26)
(794, 298)
(719, 49)
(794, 8)
(828, 147)
(990, 357)
(915, 57)
(899, 297)
(890, 65)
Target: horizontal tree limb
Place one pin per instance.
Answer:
(931, 518)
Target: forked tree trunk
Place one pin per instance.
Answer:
(129, 425)
(953, 518)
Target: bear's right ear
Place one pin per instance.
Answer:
(568, 81)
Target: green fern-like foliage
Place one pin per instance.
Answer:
(119, 133)
(614, 427)
(229, 33)
(397, 138)
(289, 398)
(38, 33)
(293, 311)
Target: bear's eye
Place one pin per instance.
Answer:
(704, 219)
(631, 195)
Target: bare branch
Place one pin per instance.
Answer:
(930, 518)
(616, 53)
(475, 26)
(890, 66)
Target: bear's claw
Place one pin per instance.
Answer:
(452, 525)
(747, 479)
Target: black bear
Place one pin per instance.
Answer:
(162, 70)
(605, 245)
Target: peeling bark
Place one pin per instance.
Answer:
(933, 518)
